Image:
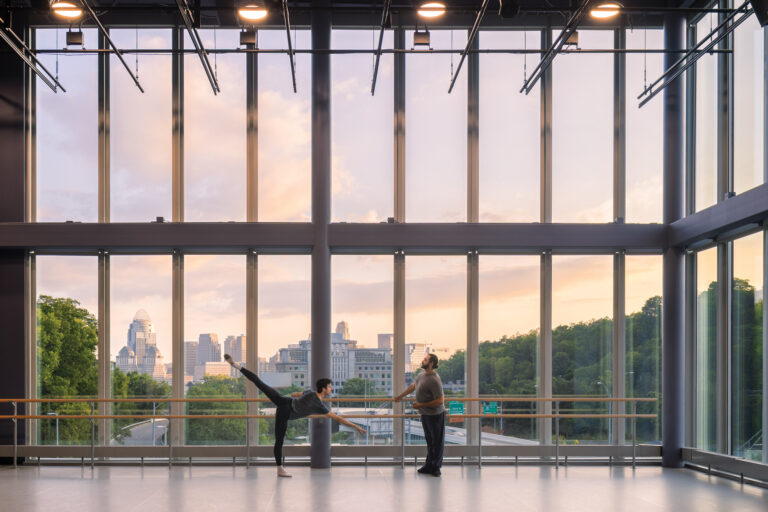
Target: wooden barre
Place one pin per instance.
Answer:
(357, 416)
(345, 399)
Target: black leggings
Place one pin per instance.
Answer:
(283, 412)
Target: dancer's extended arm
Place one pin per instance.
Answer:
(405, 393)
(344, 421)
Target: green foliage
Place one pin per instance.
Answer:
(66, 344)
(136, 385)
(218, 431)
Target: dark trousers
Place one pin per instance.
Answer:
(434, 433)
(283, 404)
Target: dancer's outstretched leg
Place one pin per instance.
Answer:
(274, 396)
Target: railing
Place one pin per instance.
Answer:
(556, 416)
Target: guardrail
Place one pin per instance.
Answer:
(556, 416)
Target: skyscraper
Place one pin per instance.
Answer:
(385, 341)
(140, 351)
(190, 357)
(208, 348)
(235, 346)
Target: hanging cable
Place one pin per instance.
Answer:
(525, 55)
(645, 57)
(451, 54)
(57, 60)
(215, 57)
(137, 53)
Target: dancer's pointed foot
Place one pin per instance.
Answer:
(228, 358)
(282, 472)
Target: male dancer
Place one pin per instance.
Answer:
(429, 402)
(298, 405)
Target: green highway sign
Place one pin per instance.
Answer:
(490, 407)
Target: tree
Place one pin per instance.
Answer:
(216, 431)
(67, 337)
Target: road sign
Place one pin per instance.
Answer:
(456, 408)
(490, 407)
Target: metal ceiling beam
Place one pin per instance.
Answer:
(557, 44)
(287, 21)
(105, 33)
(186, 16)
(470, 40)
(29, 57)
(695, 53)
(384, 15)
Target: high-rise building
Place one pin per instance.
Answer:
(208, 348)
(386, 341)
(235, 346)
(414, 355)
(140, 352)
(190, 357)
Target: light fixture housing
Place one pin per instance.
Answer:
(606, 10)
(421, 38)
(69, 9)
(431, 9)
(74, 38)
(248, 38)
(252, 11)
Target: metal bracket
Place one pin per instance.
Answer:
(186, 16)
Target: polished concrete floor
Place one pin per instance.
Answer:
(371, 489)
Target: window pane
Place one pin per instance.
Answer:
(67, 338)
(214, 133)
(140, 129)
(214, 319)
(706, 349)
(436, 133)
(284, 130)
(284, 336)
(509, 130)
(644, 163)
(362, 343)
(582, 132)
(363, 158)
(706, 121)
(140, 332)
(436, 321)
(643, 281)
(747, 348)
(509, 341)
(748, 139)
(67, 133)
(582, 340)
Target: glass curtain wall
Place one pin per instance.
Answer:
(509, 341)
(747, 348)
(362, 344)
(67, 339)
(582, 343)
(214, 324)
(706, 349)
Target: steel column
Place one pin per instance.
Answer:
(399, 106)
(673, 355)
(473, 127)
(398, 342)
(105, 370)
(30, 313)
(546, 134)
(723, 350)
(177, 115)
(252, 136)
(103, 147)
(30, 133)
(619, 383)
(619, 124)
(176, 428)
(724, 111)
(321, 210)
(471, 363)
(252, 337)
(765, 344)
(544, 355)
(690, 129)
(690, 349)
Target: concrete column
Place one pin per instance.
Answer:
(321, 214)
(673, 332)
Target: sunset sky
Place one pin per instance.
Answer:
(362, 142)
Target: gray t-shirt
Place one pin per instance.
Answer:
(429, 387)
(308, 403)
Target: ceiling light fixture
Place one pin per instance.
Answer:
(603, 11)
(253, 12)
(431, 9)
(66, 9)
